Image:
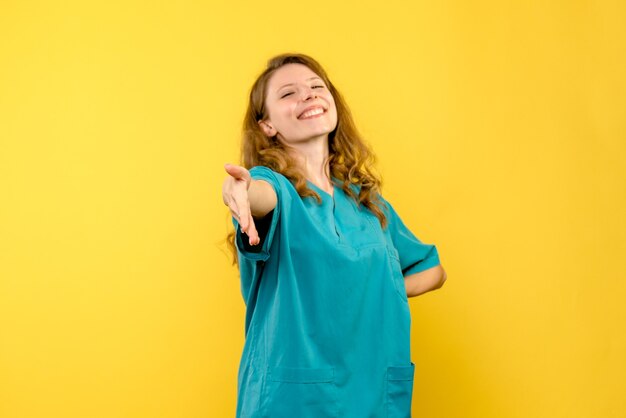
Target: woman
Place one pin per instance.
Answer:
(326, 264)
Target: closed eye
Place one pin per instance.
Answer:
(289, 93)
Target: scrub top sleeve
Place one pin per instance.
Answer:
(415, 256)
(266, 226)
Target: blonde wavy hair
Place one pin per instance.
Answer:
(350, 159)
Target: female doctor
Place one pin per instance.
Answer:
(326, 264)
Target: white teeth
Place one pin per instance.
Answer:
(312, 112)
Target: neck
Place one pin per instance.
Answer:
(312, 156)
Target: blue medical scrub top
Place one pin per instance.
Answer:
(327, 316)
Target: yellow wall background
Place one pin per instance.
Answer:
(500, 129)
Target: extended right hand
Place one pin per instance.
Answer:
(235, 195)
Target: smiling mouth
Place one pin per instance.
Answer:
(312, 113)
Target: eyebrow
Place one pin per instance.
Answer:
(291, 84)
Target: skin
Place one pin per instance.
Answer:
(292, 90)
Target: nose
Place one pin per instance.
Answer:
(309, 93)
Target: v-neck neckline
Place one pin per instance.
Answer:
(331, 196)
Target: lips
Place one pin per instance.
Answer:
(311, 111)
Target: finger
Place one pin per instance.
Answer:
(234, 210)
(238, 172)
(235, 215)
(253, 235)
(243, 209)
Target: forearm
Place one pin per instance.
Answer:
(425, 281)
(262, 198)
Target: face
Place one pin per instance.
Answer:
(299, 106)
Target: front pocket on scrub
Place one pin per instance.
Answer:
(300, 393)
(399, 391)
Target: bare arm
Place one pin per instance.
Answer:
(425, 281)
(262, 198)
(247, 199)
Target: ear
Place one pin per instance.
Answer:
(267, 128)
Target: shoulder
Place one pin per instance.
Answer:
(388, 209)
(281, 184)
(260, 172)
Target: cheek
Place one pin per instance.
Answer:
(332, 103)
(287, 110)
(334, 110)
(281, 113)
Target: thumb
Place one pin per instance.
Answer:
(238, 172)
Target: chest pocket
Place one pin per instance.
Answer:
(301, 393)
(357, 226)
